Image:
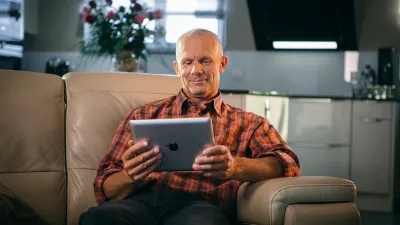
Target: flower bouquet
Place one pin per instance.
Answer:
(121, 32)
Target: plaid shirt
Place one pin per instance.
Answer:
(244, 133)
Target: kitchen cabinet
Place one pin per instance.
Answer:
(317, 129)
(374, 152)
(347, 138)
(319, 133)
(372, 146)
(234, 100)
(12, 29)
(274, 108)
(324, 121)
(323, 160)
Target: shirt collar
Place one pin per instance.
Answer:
(182, 98)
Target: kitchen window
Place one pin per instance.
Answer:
(180, 16)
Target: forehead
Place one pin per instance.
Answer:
(196, 46)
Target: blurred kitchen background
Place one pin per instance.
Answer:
(334, 101)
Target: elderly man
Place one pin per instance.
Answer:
(248, 148)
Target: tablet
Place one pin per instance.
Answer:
(180, 140)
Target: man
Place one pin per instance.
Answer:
(247, 148)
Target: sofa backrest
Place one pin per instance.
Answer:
(96, 103)
(32, 141)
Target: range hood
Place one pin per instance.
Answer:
(329, 24)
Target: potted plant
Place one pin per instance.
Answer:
(120, 32)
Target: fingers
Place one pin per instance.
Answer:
(142, 158)
(133, 150)
(215, 150)
(144, 165)
(147, 171)
(130, 142)
(211, 159)
(210, 167)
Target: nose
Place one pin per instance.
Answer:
(197, 68)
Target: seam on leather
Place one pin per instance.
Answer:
(292, 212)
(38, 171)
(116, 91)
(303, 185)
(73, 168)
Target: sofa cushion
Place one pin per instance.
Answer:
(32, 122)
(96, 103)
(32, 143)
(15, 211)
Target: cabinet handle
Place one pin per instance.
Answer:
(316, 145)
(313, 100)
(267, 109)
(371, 120)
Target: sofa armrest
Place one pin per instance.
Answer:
(265, 202)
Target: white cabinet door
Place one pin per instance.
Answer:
(371, 154)
(323, 160)
(374, 109)
(235, 100)
(323, 121)
(275, 109)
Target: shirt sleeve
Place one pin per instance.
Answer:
(112, 161)
(266, 141)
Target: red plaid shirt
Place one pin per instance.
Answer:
(244, 133)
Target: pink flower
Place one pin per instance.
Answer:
(86, 10)
(139, 19)
(157, 14)
(89, 18)
(111, 15)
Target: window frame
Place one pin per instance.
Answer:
(160, 45)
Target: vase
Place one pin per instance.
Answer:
(126, 62)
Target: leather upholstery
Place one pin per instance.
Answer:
(80, 193)
(41, 147)
(266, 202)
(14, 210)
(326, 214)
(44, 192)
(32, 162)
(31, 122)
(96, 103)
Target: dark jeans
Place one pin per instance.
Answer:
(156, 208)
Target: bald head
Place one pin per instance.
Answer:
(206, 34)
(199, 63)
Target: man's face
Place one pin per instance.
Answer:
(199, 62)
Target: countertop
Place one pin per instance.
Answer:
(260, 93)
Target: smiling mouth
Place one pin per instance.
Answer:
(198, 81)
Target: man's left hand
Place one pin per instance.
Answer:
(215, 162)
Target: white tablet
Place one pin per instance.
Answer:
(180, 140)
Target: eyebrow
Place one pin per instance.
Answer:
(202, 58)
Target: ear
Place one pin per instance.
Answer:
(223, 64)
(176, 68)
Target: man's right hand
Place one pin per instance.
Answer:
(137, 163)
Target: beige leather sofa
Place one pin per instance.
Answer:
(54, 131)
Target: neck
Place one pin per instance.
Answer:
(200, 99)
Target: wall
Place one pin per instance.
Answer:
(58, 26)
(239, 31)
(378, 24)
(302, 73)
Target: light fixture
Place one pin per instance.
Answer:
(304, 44)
